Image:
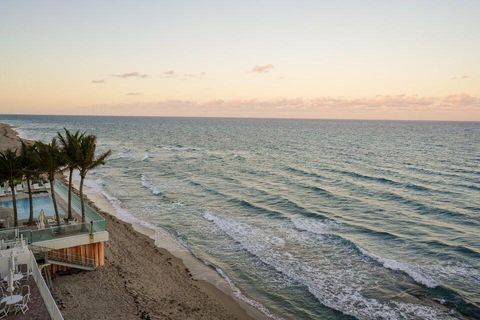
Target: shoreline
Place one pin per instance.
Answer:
(213, 296)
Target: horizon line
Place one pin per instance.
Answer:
(223, 117)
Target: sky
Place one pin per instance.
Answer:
(358, 59)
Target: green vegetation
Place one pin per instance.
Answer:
(36, 160)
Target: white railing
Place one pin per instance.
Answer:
(50, 303)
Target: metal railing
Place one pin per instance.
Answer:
(71, 259)
(60, 257)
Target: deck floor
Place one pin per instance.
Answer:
(37, 309)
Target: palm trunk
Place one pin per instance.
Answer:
(14, 201)
(52, 188)
(30, 200)
(70, 194)
(81, 197)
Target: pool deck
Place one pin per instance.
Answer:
(6, 214)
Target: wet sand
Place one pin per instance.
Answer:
(140, 280)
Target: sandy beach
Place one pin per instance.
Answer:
(139, 279)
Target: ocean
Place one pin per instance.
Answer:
(307, 219)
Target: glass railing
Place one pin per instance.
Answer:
(93, 223)
(90, 213)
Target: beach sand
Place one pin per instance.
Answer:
(139, 279)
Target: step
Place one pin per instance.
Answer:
(70, 265)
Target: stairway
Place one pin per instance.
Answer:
(61, 258)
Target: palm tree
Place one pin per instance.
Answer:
(11, 170)
(51, 159)
(87, 161)
(31, 168)
(70, 148)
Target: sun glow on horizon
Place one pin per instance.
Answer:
(298, 59)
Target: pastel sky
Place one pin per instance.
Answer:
(360, 59)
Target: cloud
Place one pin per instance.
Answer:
(130, 75)
(460, 77)
(266, 68)
(194, 75)
(461, 100)
(184, 76)
(406, 107)
(134, 94)
(169, 74)
(98, 81)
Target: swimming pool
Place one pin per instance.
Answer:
(39, 203)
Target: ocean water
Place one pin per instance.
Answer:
(307, 219)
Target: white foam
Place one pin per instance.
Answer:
(328, 227)
(147, 183)
(146, 155)
(334, 283)
(161, 234)
(124, 154)
(239, 295)
(414, 272)
(316, 226)
(178, 148)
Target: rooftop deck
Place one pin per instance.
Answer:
(41, 305)
(37, 309)
(94, 223)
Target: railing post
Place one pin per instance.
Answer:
(91, 230)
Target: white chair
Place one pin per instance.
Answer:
(46, 185)
(3, 309)
(23, 306)
(23, 269)
(25, 291)
(35, 186)
(19, 187)
(2, 193)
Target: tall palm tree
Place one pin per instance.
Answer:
(11, 170)
(70, 148)
(31, 168)
(51, 159)
(87, 161)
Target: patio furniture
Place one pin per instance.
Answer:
(25, 291)
(46, 185)
(22, 306)
(2, 193)
(3, 309)
(11, 300)
(23, 269)
(19, 187)
(16, 278)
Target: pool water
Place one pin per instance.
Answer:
(39, 203)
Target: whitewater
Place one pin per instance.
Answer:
(305, 219)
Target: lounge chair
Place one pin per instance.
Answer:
(46, 185)
(19, 187)
(22, 306)
(2, 193)
(35, 186)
